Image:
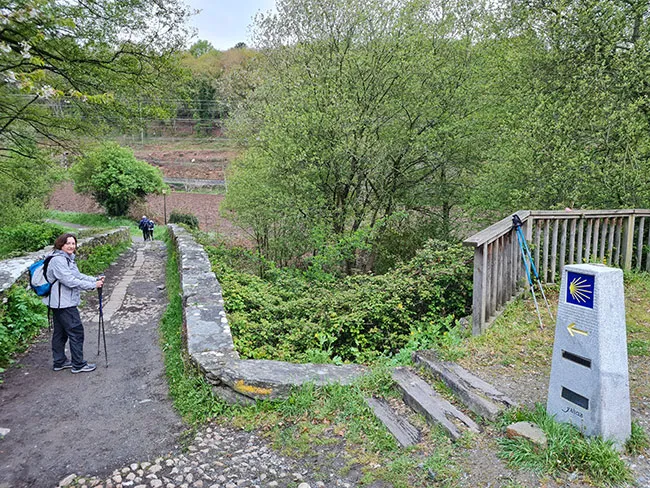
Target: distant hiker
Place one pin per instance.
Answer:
(150, 227)
(144, 226)
(64, 299)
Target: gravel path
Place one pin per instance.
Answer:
(61, 422)
(115, 427)
(222, 457)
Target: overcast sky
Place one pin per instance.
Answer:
(225, 22)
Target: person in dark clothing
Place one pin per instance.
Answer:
(150, 227)
(144, 226)
(65, 296)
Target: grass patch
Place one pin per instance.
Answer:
(335, 421)
(639, 440)
(91, 220)
(638, 348)
(568, 451)
(98, 222)
(99, 258)
(191, 393)
(514, 339)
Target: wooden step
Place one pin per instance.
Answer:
(405, 433)
(423, 399)
(479, 396)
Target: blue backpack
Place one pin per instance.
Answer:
(38, 277)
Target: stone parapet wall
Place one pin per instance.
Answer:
(210, 343)
(14, 270)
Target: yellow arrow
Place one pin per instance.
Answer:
(573, 330)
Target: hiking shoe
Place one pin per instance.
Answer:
(66, 365)
(86, 369)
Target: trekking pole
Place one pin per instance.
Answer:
(535, 273)
(529, 265)
(101, 330)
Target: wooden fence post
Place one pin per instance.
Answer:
(628, 242)
(480, 288)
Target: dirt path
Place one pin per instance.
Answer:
(63, 423)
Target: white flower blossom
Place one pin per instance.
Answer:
(4, 47)
(25, 52)
(11, 77)
(47, 91)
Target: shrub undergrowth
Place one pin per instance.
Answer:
(184, 218)
(290, 315)
(97, 259)
(27, 237)
(22, 317)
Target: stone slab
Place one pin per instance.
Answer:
(423, 399)
(404, 432)
(263, 379)
(480, 397)
(529, 431)
(231, 397)
(207, 329)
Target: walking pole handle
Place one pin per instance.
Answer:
(100, 291)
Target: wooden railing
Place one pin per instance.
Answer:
(618, 238)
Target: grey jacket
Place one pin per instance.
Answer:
(69, 280)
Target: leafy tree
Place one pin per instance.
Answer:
(63, 61)
(200, 48)
(273, 222)
(363, 110)
(71, 68)
(575, 120)
(25, 183)
(205, 88)
(115, 178)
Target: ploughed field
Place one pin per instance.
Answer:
(206, 161)
(206, 164)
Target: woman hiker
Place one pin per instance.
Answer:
(65, 295)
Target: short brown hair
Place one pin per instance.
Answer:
(62, 239)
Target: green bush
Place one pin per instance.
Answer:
(97, 259)
(290, 317)
(22, 317)
(27, 237)
(26, 179)
(115, 178)
(184, 218)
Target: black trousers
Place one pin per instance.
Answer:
(67, 327)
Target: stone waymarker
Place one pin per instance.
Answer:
(589, 384)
